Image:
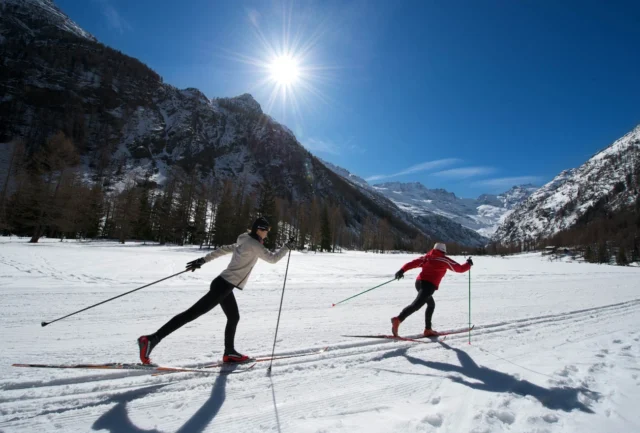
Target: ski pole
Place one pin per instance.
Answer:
(273, 351)
(469, 305)
(361, 293)
(111, 299)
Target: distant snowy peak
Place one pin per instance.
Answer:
(43, 12)
(560, 203)
(482, 215)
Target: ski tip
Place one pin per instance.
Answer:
(333, 305)
(43, 324)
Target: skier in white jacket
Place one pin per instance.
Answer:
(246, 252)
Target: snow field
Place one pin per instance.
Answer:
(555, 348)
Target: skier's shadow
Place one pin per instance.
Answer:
(117, 419)
(555, 398)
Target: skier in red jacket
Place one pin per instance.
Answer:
(434, 265)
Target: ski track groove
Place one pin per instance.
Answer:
(335, 351)
(61, 401)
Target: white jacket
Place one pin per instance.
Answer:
(246, 252)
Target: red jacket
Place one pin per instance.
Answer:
(434, 265)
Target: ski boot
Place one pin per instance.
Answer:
(146, 343)
(395, 324)
(231, 356)
(428, 332)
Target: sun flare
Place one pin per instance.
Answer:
(284, 70)
(283, 62)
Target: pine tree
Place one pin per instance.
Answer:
(603, 253)
(302, 224)
(199, 221)
(92, 213)
(127, 212)
(325, 230)
(368, 234)
(621, 257)
(313, 224)
(142, 228)
(589, 255)
(163, 211)
(635, 254)
(385, 238)
(243, 205)
(223, 227)
(65, 220)
(338, 226)
(16, 161)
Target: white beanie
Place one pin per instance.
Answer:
(440, 247)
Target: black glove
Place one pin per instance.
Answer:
(399, 274)
(195, 264)
(470, 261)
(291, 243)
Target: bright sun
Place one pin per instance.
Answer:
(284, 70)
(283, 63)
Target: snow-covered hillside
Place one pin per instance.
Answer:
(551, 351)
(561, 202)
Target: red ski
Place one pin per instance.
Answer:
(435, 338)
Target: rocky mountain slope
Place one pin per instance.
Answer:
(127, 123)
(609, 179)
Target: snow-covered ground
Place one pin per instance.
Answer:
(556, 346)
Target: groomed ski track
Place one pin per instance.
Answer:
(277, 400)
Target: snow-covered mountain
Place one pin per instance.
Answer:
(439, 224)
(608, 179)
(482, 214)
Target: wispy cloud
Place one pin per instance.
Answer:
(465, 172)
(321, 146)
(507, 182)
(254, 16)
(425, 166)
(114, 19)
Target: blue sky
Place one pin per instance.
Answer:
(471, 96)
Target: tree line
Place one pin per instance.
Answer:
(47, 191)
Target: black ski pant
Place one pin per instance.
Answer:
(221, 292)
(425, 295)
